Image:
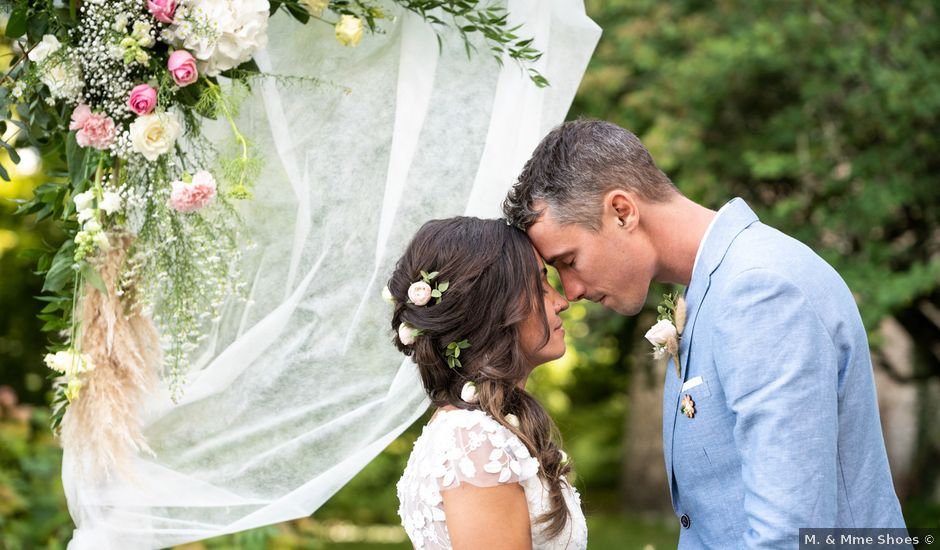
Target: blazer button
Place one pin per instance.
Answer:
(685, 521)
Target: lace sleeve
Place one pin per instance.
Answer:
(473, 448)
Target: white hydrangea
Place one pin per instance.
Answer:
(221, 34)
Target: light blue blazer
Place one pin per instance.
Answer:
(786, 432)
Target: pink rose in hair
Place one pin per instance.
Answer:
(93, 129)
(182, 67)
(419, 293)
(143, 99)
(189, 197)
(162, 10)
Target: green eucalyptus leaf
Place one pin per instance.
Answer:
(19, 19)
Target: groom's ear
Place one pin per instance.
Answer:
(620, 208)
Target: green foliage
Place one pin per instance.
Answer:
(32, 503)
(821, 115)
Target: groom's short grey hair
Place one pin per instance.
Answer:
(572, 169)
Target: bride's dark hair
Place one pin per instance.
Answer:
(495, 284)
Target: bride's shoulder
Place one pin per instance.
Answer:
(463, 445)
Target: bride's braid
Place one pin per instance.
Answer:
(494, 283)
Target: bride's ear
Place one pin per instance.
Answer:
(620, 210)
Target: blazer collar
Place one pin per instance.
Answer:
(735, 217)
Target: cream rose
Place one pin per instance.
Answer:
(419, 293)
(661, 333)
(154, 134)
(316, 7)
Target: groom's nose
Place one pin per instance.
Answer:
(574, 289)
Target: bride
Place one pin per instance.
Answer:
(474, 309)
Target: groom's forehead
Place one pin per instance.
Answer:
(551, 239)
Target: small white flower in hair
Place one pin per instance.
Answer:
(387, 295)
(419, 293)
(564, 456)
(469, 392)
(407, 334)
(513, 420)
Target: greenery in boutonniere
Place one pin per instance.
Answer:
(665, 334)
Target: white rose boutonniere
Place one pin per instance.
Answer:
(665, 334)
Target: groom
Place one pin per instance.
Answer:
(772, 424)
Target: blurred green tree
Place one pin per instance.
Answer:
(822, 115)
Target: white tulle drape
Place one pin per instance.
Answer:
(300, 388)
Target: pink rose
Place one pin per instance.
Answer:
(162, 10)
(94, 129)
(189, 197)
(182, 66)
(419, 293)
(143, 99)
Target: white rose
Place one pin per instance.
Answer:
(469, 392)
(46, 47)
(407, 334)
(83, 200)
(110, 202)
(154, 134)
(419, 293)
(661, 333)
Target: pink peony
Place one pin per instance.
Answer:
(162, 10)
(182, 66)
(143, 99)
(189, 197)
(94, 129)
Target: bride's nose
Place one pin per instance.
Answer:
(561, 303)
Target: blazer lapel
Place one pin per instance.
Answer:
(734, 218)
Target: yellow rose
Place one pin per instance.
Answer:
(316, 7)
(349, 30)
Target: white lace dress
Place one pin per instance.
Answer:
(461, 446)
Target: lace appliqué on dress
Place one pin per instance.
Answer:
(471, 447)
